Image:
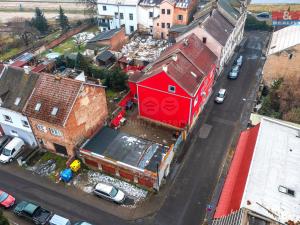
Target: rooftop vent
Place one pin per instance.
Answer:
(174, 57)
(27, 69)
(298, 135)
(185, 42)
(165, 68)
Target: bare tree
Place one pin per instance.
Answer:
(80, 39)
(91, 7)
(24, 30)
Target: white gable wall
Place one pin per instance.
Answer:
(15, 127)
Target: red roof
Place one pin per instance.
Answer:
(19, 63)
(187, 62)
(50, 92)
(234, 186)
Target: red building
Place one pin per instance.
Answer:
(174, 89)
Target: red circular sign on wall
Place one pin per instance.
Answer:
(169, 106)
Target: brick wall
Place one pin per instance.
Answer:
(87, 116)
(141, 177)
(280, 65)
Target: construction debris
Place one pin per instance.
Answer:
(144, 49)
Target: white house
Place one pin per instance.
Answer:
(221, 30)
(15, 88)
(262, 185)
(148, 10)
(114, 13)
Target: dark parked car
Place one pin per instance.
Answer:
(33, 212)
(3, 141)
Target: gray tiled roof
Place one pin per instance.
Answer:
(15, 83)
(226, 5)
(219, 27)
(104, 35)
(104, 56)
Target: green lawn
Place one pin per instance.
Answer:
(10, 54)
(111, 94)
(68, 46)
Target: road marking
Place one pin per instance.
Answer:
(204, 131)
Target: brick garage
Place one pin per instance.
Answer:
(65, 112)
(127, 157)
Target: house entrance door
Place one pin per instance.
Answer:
(60, 149)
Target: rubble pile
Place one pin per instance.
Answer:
(144, 49)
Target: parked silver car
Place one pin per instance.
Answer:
(109, 192)
(220, 96)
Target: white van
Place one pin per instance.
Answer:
(11, 150)
(59, 220)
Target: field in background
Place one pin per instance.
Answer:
(268, 8)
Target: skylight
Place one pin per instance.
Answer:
(54, 111)
(17, 101)
(194, 75)
(37, 106)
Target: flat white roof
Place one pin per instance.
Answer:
(275, 163)
(285, 38)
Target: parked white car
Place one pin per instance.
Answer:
(221, 96)
(109, 192)
(11, 150)
(59, 220)
(239, 61)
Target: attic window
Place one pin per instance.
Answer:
(171, 88)
(290, 56)
(17, 101)
(204, 40)
(286, 190)
(54, 111)
(37, 106)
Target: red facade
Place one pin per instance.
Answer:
(176, 87)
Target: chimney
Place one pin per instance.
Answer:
(57, 78)
(185, 42)
(165, 68)
(174, 57)
(27, 69)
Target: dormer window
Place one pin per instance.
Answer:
(54, 111)
(17, 101)
(37, 107)
(171, 88)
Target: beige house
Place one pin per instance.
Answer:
(172, 12)
(221, 30)
(284, 48)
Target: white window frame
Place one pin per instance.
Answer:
(7, 118)
(41, 128)
(38, 107)
(25, 123)
(55, 132)
(171, 87)
(54, 111)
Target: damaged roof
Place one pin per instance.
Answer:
(106, 35)
(105, 56)
(53, 92)
(219, 27)
(16, 87)
(189, 55)
(127, 149)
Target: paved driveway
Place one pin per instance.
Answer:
(198, 173)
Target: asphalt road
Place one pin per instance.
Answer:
(193, 186)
